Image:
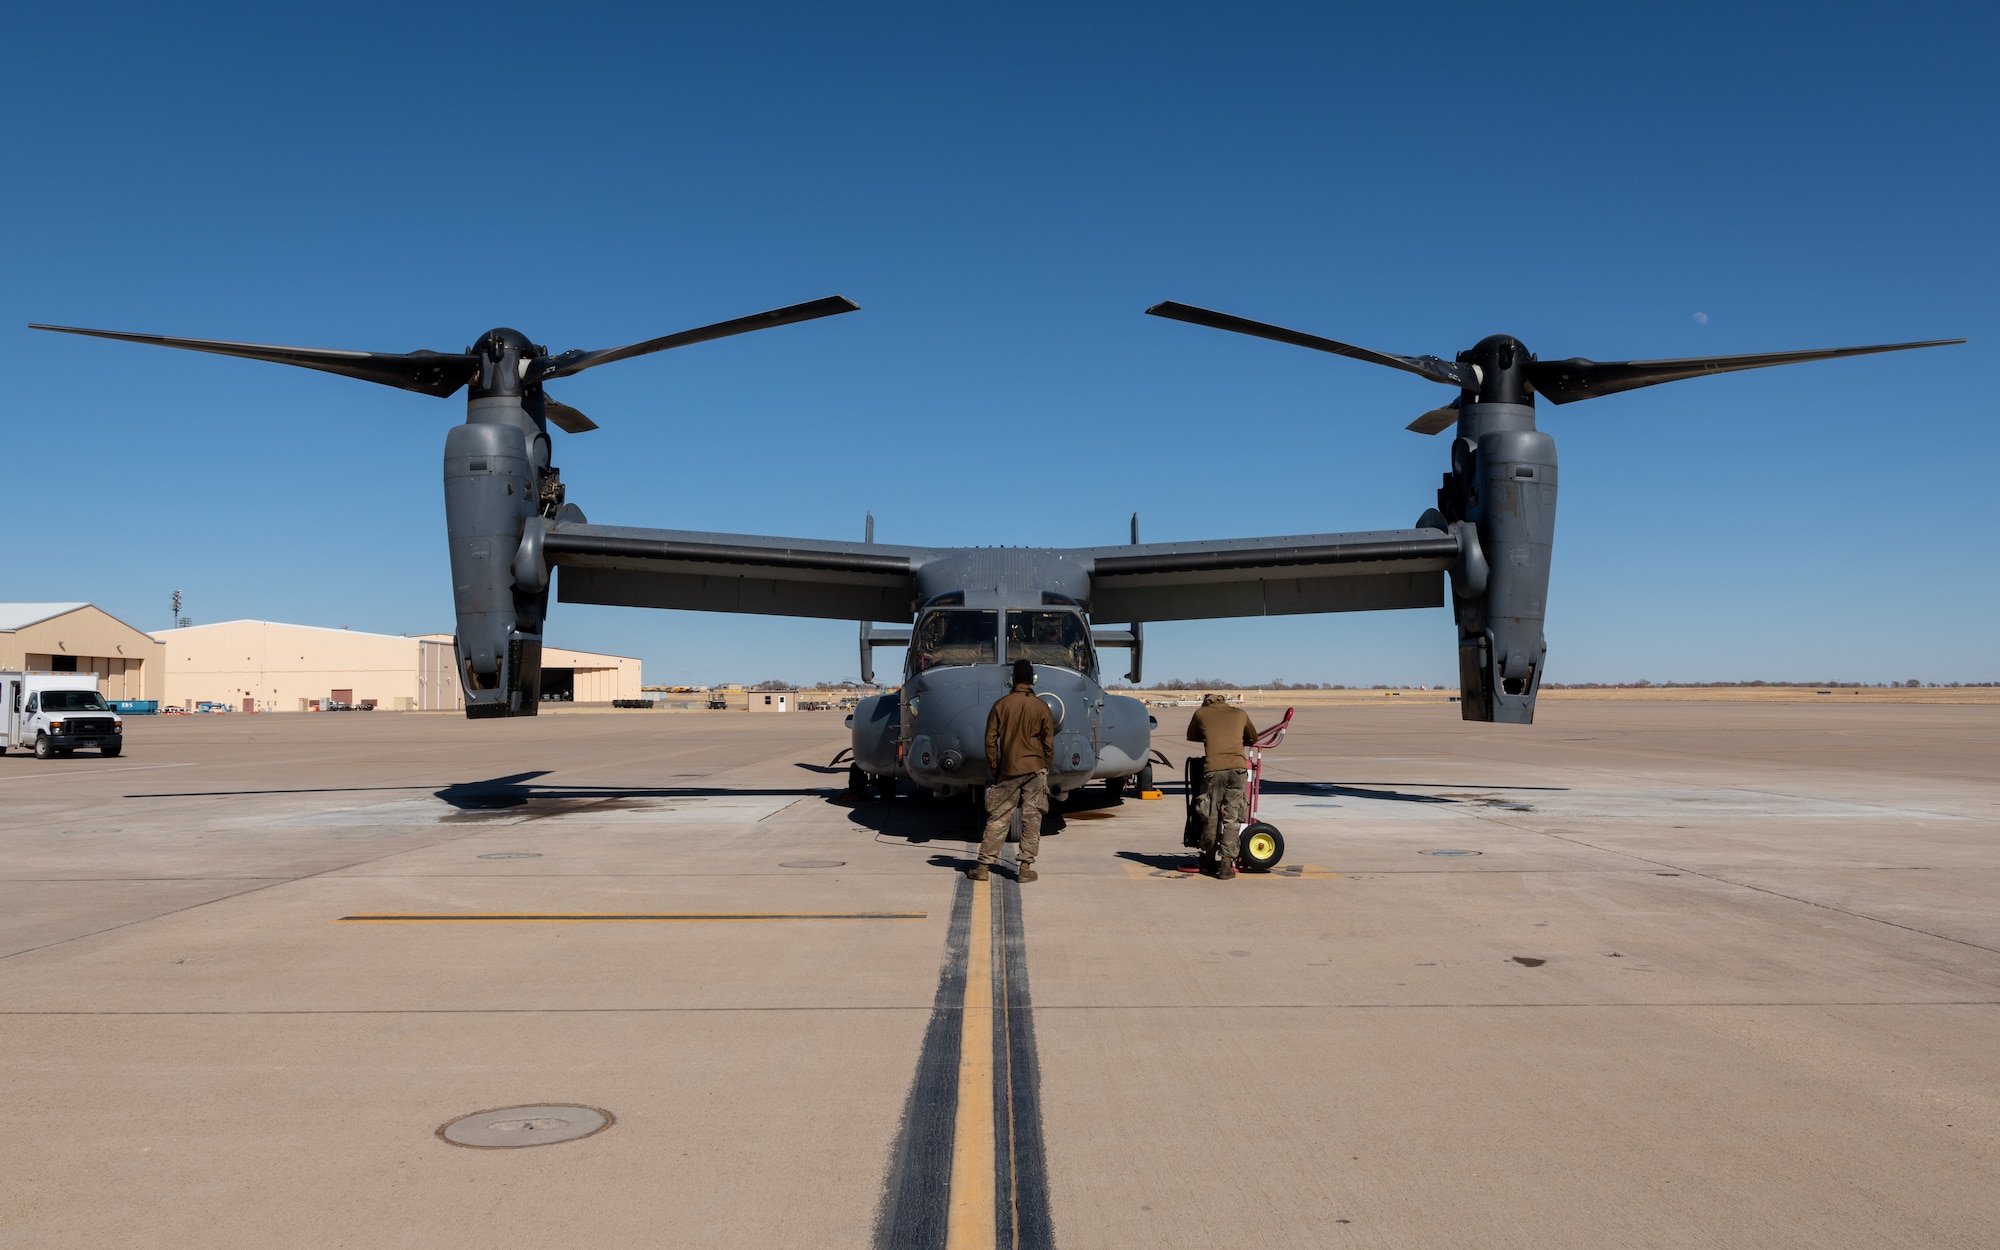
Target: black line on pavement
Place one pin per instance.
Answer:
(916, 1196)
(1021, 1189)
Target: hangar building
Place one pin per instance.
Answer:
(81, 638)
(577, 676)
(267, 666)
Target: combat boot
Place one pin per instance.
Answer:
(1025, 873)
(977, 872)
(1225, 872)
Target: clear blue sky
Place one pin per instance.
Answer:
(1004, 190)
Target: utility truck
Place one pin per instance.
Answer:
(55, 713)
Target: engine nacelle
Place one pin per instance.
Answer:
(1503, 484)
(493, 470)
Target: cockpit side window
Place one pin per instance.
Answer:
(955, 636)
(1050, 637)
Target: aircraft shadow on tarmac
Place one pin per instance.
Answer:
(922, 820)
(1364, 790)
(513, 793)
(517, 791)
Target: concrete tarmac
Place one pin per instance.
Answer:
(1640, 975)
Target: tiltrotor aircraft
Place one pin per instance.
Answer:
(964, 614)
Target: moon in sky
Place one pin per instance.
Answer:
(1701, 319)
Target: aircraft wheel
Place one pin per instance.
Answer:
(885, 786)
(1260, 847)
(1115, 787)
(857, 781)
(1145, 779)
(1014, 827)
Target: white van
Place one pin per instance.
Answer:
(55, 713)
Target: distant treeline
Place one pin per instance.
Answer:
(1911, 684)
(1208, 683)
(1216, 683)
(1211, 683)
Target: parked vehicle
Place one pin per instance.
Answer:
(55, 713)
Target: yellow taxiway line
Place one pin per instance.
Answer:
(969, 1223)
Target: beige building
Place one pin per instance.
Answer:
(580, 676)
(80, 638)
(593, 678)
(267, 666)
(773, 700)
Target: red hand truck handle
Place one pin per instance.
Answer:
(1275, 734)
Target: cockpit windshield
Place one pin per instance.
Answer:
(955, 636)
(1050, 637)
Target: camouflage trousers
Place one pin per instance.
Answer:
(1029, 793)
(1223, 806)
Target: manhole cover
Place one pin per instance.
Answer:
(1449, 853)
(513, 855)
(507, 1127)
(813, 863)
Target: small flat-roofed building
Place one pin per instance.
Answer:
(83, 638)
(773, 700)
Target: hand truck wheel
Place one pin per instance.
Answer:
(1260, 847)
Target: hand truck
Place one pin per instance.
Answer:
(1260, 846)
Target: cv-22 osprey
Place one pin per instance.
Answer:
(964, 615)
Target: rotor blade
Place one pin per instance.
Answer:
(567, 419)
(1565, 381)
(429, 373)
(576, 362)
(1437, 420)
(1449, 372)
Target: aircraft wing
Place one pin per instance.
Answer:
(646, 568)
(1270, 576)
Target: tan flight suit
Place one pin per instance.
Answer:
(1225, 792)
(1020, 742)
